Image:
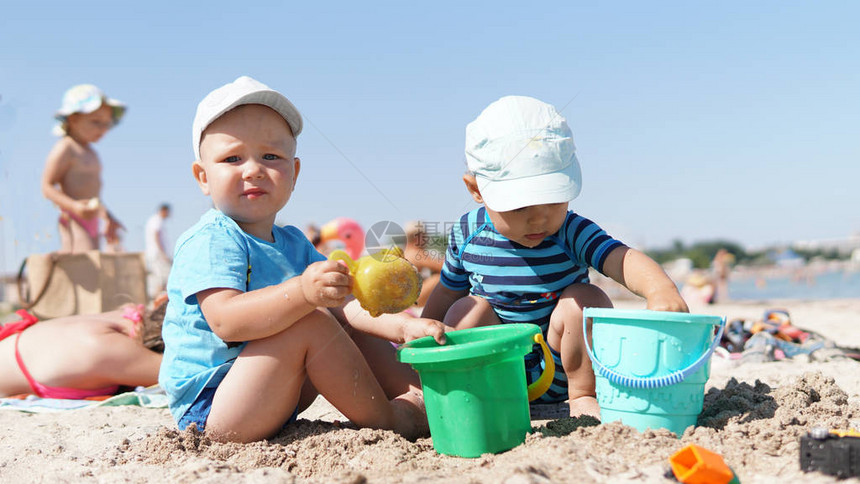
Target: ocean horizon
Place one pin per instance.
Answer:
(828, 284)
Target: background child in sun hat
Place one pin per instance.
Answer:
(258, 322)
(524, 257)
(72, 175)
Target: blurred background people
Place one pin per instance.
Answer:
(157, 256)
(423, 256)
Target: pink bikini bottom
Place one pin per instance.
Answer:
(91, 225)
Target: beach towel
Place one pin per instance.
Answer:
(149, 397)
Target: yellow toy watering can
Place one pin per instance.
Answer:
(384, 282)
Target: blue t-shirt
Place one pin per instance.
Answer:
(215, 253)
(521, 283)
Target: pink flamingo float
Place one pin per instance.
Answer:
(347, 231)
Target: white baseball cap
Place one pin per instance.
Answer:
(243, 90)
(521, 152)
(85, 98)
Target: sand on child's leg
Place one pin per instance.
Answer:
(566, 333)
(399, 381)
(410, 415)
(585, 405)
(265, 384)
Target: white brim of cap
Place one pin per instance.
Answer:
(270, 99)
(274, 100)
(507, 195)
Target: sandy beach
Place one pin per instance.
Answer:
(754, 416)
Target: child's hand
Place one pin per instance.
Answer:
(414, 328)
(667, 301)
(85, 210)
(112, 230)
(326, 283)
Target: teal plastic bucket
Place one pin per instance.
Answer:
(475, 389)
(651, 367)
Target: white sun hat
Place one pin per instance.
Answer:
(521, 152)
(85, 98)
(243, 90)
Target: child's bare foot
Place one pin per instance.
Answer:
(586, 405)
(410, 416)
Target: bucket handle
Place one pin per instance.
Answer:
(542, 384)
(654, 381)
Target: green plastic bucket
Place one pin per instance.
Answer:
(651, 366)
(475, 388)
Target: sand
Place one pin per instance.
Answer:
(754, 416)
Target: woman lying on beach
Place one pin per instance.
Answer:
(78, 356)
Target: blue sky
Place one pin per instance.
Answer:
(693, 120)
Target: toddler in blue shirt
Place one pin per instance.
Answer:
(256, 323)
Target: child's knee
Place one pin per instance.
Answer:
(470, 311)
(573, 300)
(318, 321)
(317, 325)
(589, 294)
(578, 296)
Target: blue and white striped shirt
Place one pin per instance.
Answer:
(521, 283)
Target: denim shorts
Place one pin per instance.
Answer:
(198, 413)
(534, 367)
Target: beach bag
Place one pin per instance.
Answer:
(55, 285)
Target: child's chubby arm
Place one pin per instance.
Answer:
(644, 277)
(56, 166)
(245, 316)
(398, 328)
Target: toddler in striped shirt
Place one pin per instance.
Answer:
(523, 256)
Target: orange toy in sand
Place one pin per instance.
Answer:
(697, 465)
(384, 282)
